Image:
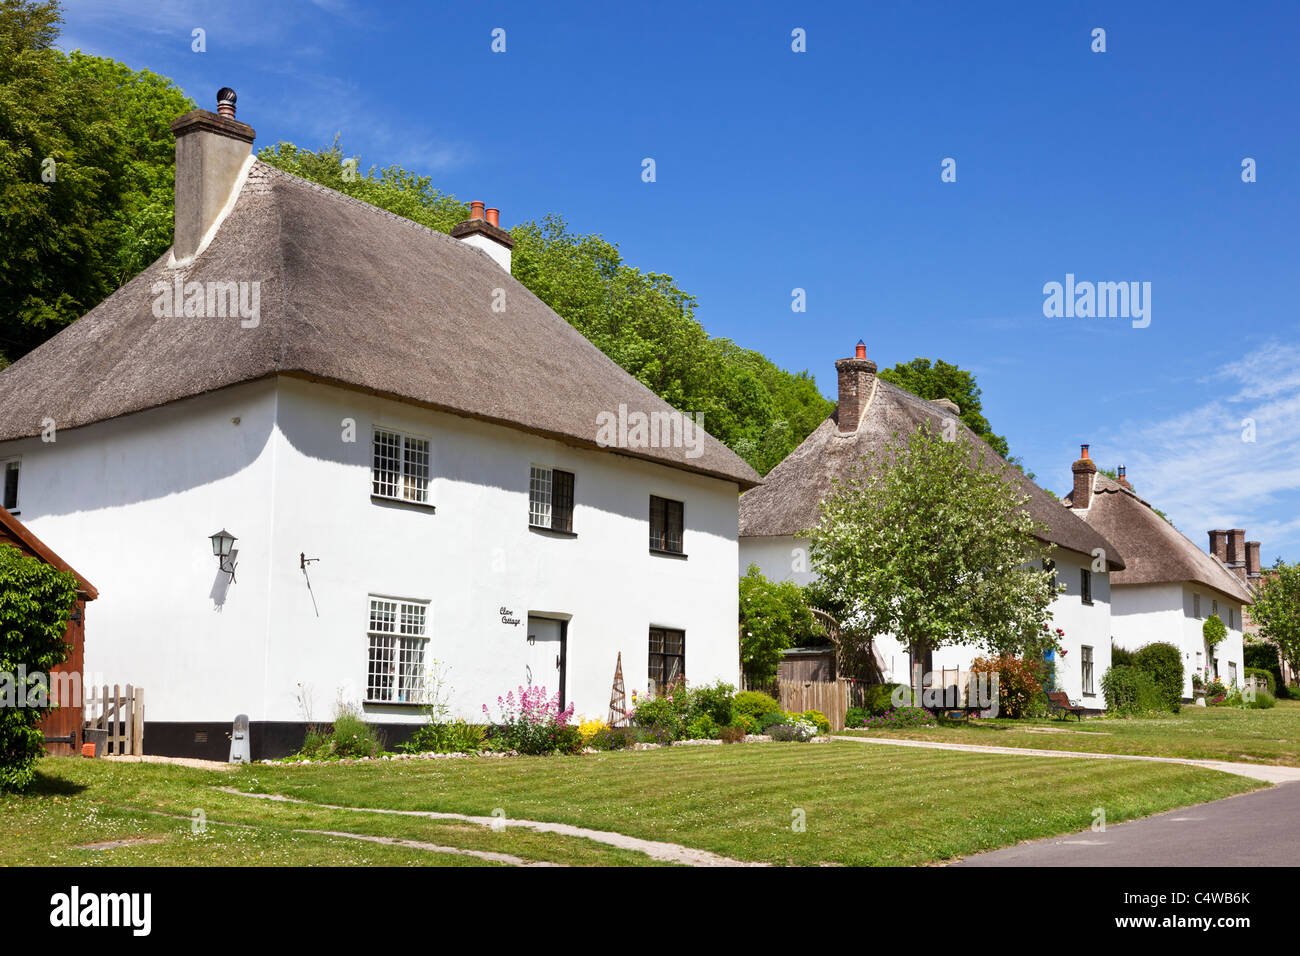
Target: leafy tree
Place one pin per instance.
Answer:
(85, 175)
(943, 380)
(929, 542)
(36, 601)
(773, 616)
(1277, 610)
(1164, 663)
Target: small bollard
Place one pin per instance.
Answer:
(239, 744)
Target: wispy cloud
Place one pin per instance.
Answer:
(1232, 461)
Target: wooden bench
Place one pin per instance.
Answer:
(1059, 704)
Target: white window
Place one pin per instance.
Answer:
(397, 641)
(550, 498)
(1232, 618)
(10, 478)
(1087, 671)
(1196, 606)
(400, 467)
(1214, 608)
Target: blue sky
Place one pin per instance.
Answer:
(820, 170)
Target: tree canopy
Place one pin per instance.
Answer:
(941, 379)
(930, 542)
(1277, 610)
(86, 175)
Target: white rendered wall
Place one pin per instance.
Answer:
(131, 504)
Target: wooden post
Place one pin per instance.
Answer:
(128, 721)
(137, 715)
(117, 710)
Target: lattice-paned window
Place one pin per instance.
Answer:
(550, 498)
(666, 520)
(400, 467)
(667, 663)
(397, 640)
(1088, 686)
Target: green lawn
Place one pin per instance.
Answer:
(861, 804)
(1207, 733)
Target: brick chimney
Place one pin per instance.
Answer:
(1084, 472)
(1237, 552)
(1252, 561)
(857, 377)
(1219, 544)
(212, 151)
(483, 231)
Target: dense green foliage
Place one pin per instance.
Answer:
(1213, 631)
(1277, 610)
(1164, 663)
(1132, 692)
(86, 174)
(944, 380)
(1263, 656)
(773, 616)
(1120, 656)
(936, 548)
(36, 601)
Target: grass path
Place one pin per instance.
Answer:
(656, 850)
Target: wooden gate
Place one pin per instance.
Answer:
(121, 715)
(830, 697)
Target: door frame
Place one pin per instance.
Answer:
(563, 621)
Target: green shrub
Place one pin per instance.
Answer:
(715, 702)
(1262, 700)
(753, 703)
(451, 737)
(1264, 657)
(796, 730)
(1264, 675)
(1213, 631)
(613, 738)
(856, 716)
(352, 736)
(879, 698)
(1131, 692)
(702, 727)
(36, 600)
(1019, 692)
(1164, 663)
(1120, 656)
(817, 719)
(775, 719)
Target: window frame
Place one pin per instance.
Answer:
(1196, 606)
(1085, 585)
(407, 638)
(404, 476)
(665, 535)
(7, 465)
(1087, 670)
(560, 499)
(655, 684)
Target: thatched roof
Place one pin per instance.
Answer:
(790, 497)
(1155, 552)
(353, 296)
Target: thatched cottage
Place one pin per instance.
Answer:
(414, 457)
(870, 411)
(1168, 586)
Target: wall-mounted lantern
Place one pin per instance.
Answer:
(222, 542)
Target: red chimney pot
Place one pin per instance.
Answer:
(476, 210)
(1083, 451)
(493, 215)
(862, 349)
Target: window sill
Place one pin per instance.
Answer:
(551, 532)
(391, 703)
(1088, 603)
(669, 554)
(403, 503)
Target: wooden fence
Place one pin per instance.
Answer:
(120, 714)
(830, 697)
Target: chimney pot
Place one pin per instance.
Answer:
(492, 216)
(1237, 546)
(482, 231)
(857, 376)
(476, 210)
(226, 102)
(1083, 451)
(1219, 544)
